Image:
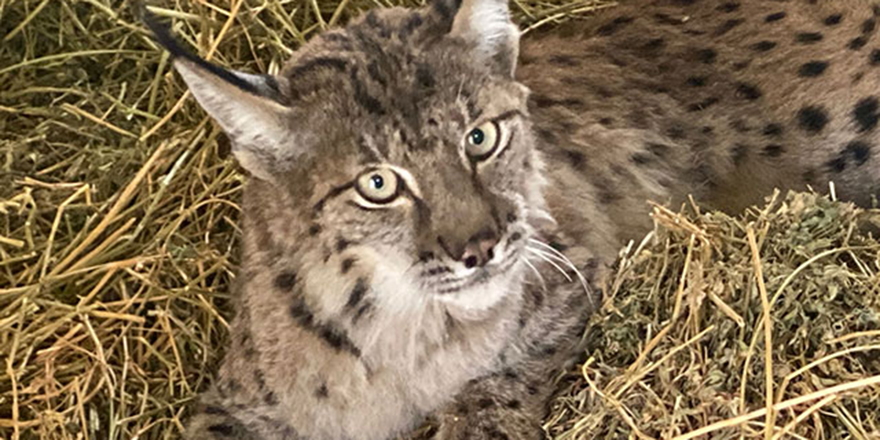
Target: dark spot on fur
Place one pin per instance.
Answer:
(772, 130)
(214, 410)
(494, 434)
(563, 60)
(865, 114)
(656, 149)
(546, 135)
(812, 118)
(813, 69)
(763, 46)
(696, 81)
(808, 37)
(532, 390)
(728, 7)
(809, 176)
(707, 56)
(314, 230)
(516, 236)
(514, 404)
(857, 43)
(748, 91)
(357, 294)
(544, 102)
(361, 311)
(741, 65)
(485, 403)
(654, 44)
(411, 24)
(773, 150)
(675, 133)
(299, 312)
(859, 151)
(270, 398)
(424, 77)
(342, 244)
(221, 429)
(836, 165)
(285, 281)
(640, 159)
(347, 265)
(375, 74)
(833, 19)
(875, 57)
(606, 121)
(322, 392)
(613, 26)
(738, 153)
(727, 26)
(869, 25)
(775, 17)
(666, 19)
(368, 102)
(575, 158)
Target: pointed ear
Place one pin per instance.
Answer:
(486, 24)
(251, 109)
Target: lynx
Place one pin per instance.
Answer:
(432, 208)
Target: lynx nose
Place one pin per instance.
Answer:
(479, 249)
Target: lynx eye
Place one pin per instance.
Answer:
(378, 186)
(482, 141)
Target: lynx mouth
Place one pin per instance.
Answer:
(449, 282)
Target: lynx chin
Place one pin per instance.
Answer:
(432, 206)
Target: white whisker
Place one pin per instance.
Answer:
(565, 259)
(544, 257)
(537, 272)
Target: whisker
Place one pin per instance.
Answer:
(536, 271)
(544, 257)
(568, 262)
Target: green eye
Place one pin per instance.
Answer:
(378, 186)
(482, 141)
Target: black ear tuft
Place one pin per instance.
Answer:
(164, 36)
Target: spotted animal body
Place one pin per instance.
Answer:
(432, 205)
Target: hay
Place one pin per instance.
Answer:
(118, 205)
(118, 237)
(679, 348)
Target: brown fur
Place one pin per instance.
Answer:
(358, 321)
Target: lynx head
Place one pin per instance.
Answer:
(393, 154)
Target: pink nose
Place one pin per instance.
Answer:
(478, 251)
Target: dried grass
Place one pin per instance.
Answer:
(680, 349)
(119, 205)
(118, 236)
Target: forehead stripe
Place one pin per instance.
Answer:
(318, 63)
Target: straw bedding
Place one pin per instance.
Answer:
(118, 246)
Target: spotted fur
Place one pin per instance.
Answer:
(460, 298)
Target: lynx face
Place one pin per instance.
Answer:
(402, 142)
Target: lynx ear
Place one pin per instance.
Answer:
(250, 108)
(486, 23)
